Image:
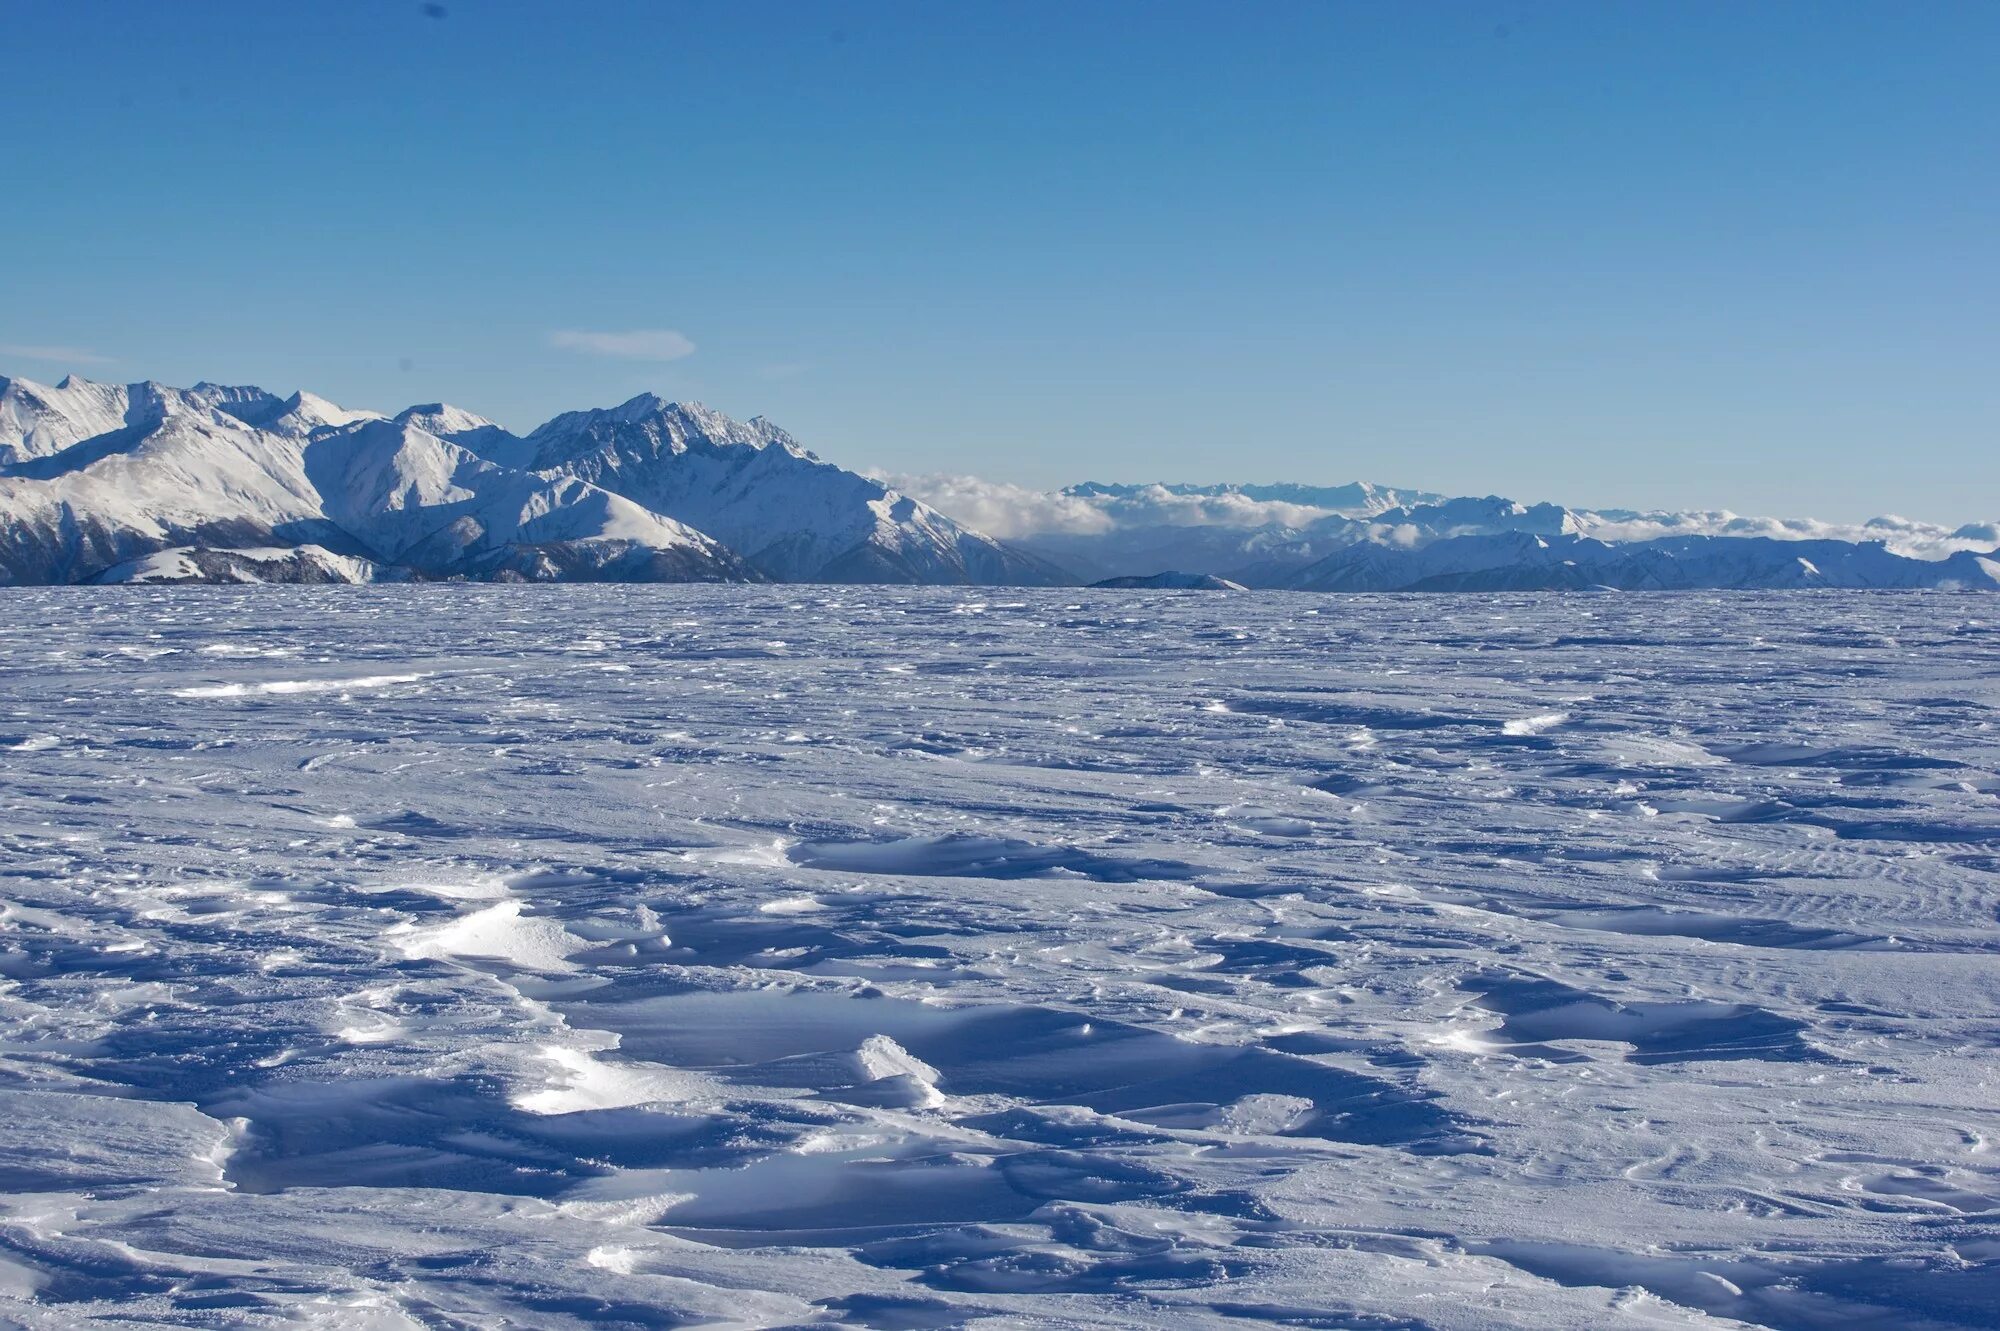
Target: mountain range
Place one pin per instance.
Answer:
(107, 483)
(110, 483)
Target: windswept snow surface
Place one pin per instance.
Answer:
(398, 957)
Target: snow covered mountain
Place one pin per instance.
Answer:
(753, 486)
(243, 473)
(120, 482)
(174, 470)
(36, 420)
(421, 502)
(96, 479)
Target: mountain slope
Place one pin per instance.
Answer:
(37, 420)
(753, 486)
(418, 501)
(291, 564)
(187, 470)
(176, 471)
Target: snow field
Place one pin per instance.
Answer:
(894, 958)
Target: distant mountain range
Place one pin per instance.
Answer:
(1383, 539)
(107, 483)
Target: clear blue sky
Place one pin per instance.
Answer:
(1675, 254)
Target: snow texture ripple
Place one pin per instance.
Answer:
(758, 956)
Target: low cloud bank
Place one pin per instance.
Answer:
(1011, 511)
(1003, 510)
(1903, 536)
(1014, 512)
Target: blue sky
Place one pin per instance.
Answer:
(1655, 254)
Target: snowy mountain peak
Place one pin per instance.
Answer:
(698, 420)
(303, 412)
(753, 486)
(469, 430)
(246, 402)
(652, 423)
(37, 420)
(443, 420)
(644, 405)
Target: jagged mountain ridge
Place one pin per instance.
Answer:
(237, 469)
(95, 479)
(754, 487)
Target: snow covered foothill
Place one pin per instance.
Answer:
(1174, 581)
(303, 563)
(896, 957)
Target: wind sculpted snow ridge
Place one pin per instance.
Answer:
(782, 957)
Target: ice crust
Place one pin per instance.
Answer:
(780, 956)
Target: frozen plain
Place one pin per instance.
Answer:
(801, 956)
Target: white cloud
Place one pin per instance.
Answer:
(1000, 509)
(1156, 505)
(1008, 511)
(59, 355)
(638, 344)
(1903, 536)
(1013, 512)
